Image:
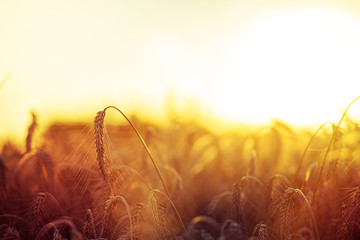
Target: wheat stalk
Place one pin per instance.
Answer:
(99, 142)
(89, 230)
(153, 205)
(37, 213)
(56, 234)
(152, 201)
(353, 212)
(237, 207)
(264, 232)
(286, 214)
(333, 138)
(301, 194)
(30, 134)
(100, 116)
(137, 217)
(287, 210)
(47, 161)
(306, 150)
(252, 161)
(110, 205)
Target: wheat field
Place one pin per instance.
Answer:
(139, 180)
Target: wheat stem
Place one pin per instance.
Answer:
(182, 226)
(300, 193)
(306, 150)
(144, 145)
(335, 131)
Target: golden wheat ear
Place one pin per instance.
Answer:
(110, 205)
(44, 208)
(287, 212)
(158, 202)
(99, 141)
(262, 231)
(137, 218)
(37, 213)
(238, 208)
(350, 214)
(89, 231)
(30, 134)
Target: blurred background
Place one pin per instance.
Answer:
(243, 62)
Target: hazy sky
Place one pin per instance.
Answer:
(243, 60)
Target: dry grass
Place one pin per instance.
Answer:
(185, 182)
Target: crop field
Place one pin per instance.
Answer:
(138, 180)
(181, 120)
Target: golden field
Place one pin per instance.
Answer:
(142, 180)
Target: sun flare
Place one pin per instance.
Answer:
(291, 65)
(278, 64)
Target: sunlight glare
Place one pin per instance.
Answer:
(300, 67)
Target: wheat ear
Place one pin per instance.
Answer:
(137, 218)
(237, 207)
(352, 212)
(156, 215)
(30, 134)
(301, 194)
(56, 234)
(286, 213)
(263, 232)
(110, 205)
(144, 145)
(180, 222)
(99, 142)
(89, 230)
(37, 213)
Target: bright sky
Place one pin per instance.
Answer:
(247, 61)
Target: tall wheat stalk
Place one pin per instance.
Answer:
(31, 130)
(334, 135)
(306, 150)
(99, 135)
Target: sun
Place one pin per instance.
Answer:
(301, 67)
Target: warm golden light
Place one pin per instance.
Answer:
(185, 119)
(236, 62)
(299, 66)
